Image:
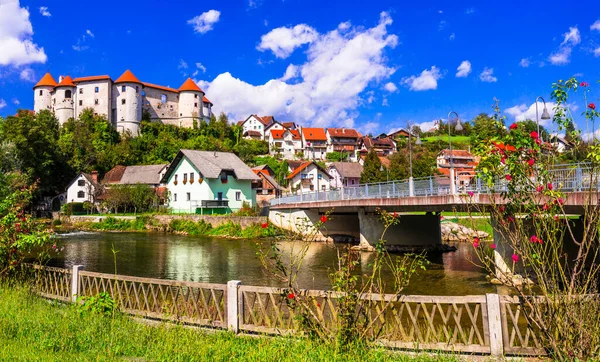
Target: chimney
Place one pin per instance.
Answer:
(95, 176)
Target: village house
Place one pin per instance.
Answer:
(150, 175)
(343, 140)
(344, 174)
(401, 133)
(254, 126)
(84, 188)
(384, 146)
(267, 188)
(464, 165)
(309, 177)
(315, 143)
(123, 101)
(285, 143)
(561, 144)
(209, 182)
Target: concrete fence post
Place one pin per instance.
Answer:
(494, 325)
(75, 282)
(411, 187)
(233, 306)
(430, 185)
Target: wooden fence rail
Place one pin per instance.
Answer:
(489, 324)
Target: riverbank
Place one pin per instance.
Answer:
(35, 329)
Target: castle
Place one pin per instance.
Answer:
(122, 101)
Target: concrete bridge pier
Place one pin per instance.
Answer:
(303, 221)
(412, 230)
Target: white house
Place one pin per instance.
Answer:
(309, 177)
(286, 143)
(209, 182)
(315, 143)
(84, 187)
(344, 174)
(254, 126)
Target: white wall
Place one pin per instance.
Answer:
(253, 124)
(88, 98)
(75, 188)
(167, 112)
(64, 108)
(44, 101)
(312, 173)
(190, 107)
(128, 115)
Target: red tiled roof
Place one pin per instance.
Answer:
(288, 124)
(303, 166)
(458, 153)
(343, 133)
(278, 133)
(46, 80)
(114, 175)
(127, 77)
(66, 82)
(155, 86)
(314, 134)
(190, 85)
(91, 79)
(205, 100)
(267, 120)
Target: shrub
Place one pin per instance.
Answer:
(101, 303)
(227, 229)
(190, 227)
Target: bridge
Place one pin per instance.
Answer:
(353, 209)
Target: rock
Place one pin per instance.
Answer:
(454, 232)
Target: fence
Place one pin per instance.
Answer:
(568, 178)
(489, 324)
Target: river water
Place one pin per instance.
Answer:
(217, 260)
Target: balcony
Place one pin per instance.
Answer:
(214, 204)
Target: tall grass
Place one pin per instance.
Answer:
(34, 329)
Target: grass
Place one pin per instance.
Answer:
(454, 139)
(35, 329)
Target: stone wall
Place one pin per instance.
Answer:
(243, 221)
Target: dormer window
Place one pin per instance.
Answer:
(223, 177)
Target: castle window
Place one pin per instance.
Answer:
(188, 196)
(163, 98)
(41, 92)
(80, 195)
(195, 96)
(96, 102)
(96, 89)
(195, 105)
(137, 89)
(80, 102)
(180, 114)
(123, 88)
(122, 101)
(80, 90)
(68, 94)
(175, 197)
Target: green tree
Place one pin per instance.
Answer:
(530, 126)
(143, 197)
(372, 169)
(486, 127)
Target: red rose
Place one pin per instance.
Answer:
(291, 296)
(534, 135)
(549, 186)
(264, 225)
(539, 188)
(324, 218)
(584, 84)
(513, 126)
(508, 177)
(501, 208)
(530, 162)
(493, 246)
(592, 106)
(395, 214)
(510, 148)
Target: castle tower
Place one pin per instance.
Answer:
(207, 107)
(64, 100)
(42, 93)
(190, 103)
(127, 103)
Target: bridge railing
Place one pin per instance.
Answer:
(568, 178)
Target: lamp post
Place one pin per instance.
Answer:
(545, 115)
(457, 128)
(411, 186)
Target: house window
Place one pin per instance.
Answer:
(96, 102)
(175, 197)
(180, 114)
(323, 187)
(351, 182)
(312, 187)
(176, 178)
(304, 175)
(163, 98)
(81, 183)
(96, 89)
(41, 92)
(223, 177)
(184, 177)
(123, 88)
(80, 90)
(143, 93)
(238, 196)
(122, 101)
(68, 94)
(191, 177)
(80, 195)
(188, 196)
(80, 102)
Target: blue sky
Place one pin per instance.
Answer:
(373, 65)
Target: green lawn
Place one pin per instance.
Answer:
(34, 329)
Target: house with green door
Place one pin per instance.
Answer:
(208, 182)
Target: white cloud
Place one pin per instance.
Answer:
(390, 87)
(563, 55)
(442, 25)
(182, 64)
(426, 126)
(44, 11)
(488, 75)
(16, 42)
(331, 82)
(283, 41)
(2, 103)
(28, 75)
(370, 128)
(525, 62)
(290, 72)
(81, 41)
(201, 67)
(452, 36)
(572, 37)
(89, 32)
(204, 22)
(427, 80)
(470, 11)
(464, 69)
(385, 103)
(595, 25)
(16, 101)
(597, 52)
(522, 112)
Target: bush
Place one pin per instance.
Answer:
(227, 229)
(101, 303)
(56, 222)
(112, 223)
(190, 227)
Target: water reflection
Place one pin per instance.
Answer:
(213, 260)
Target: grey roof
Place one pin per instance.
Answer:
(272, 181)
(348, 169)
(210, 164)
(146, 174)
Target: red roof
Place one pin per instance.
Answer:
(150, 85)
(205, 100)
(190, 85)
(127, 77)
(343, 133)
(66, 82)
(457, 153)
(314, 134)
(252, 133)
(91, 79)
(46, 80)
(278, 133)
(305, 165)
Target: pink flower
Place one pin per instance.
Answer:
(515, 258)
(549, 186)
(584, 84)
(476, 242)
(545, 207)
(510, 219)
(508, 177)
(556, 218)
(513, 126)
(441, 217)
(539, 188)
(533, 239)
(493, 246)
(560, 201)
(531, 162)
(592, 106)
(470, 193)
(534, 135)
(503, 160)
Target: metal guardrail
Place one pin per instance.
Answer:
(568, 178)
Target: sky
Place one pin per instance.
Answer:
(375, 66)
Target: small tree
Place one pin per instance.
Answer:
(372, 169)
(143, 197)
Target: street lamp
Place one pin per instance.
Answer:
(545, 115)
(411, 185)
(457, 128)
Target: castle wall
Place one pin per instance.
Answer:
(167, 112)
(190, 107)
(44, 100)
(127, 99)
(87, 96)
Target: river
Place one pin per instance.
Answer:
(217, 260)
